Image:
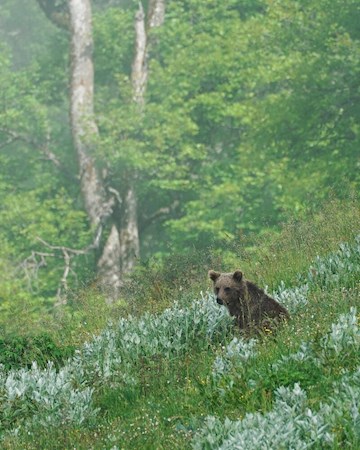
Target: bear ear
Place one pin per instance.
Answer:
(213, 275)
(238, 275)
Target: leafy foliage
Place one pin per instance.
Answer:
(266, 111)
(22, 351)
(251, 117)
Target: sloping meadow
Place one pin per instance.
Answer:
(65, 396)
(293, 422)
(52, 397)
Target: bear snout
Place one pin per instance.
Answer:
(219, 301)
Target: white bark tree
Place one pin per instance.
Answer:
(99, 206)
(129, 234)
(113, 216)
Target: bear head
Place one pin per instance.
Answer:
(230, 289)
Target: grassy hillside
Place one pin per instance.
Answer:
(178, 375)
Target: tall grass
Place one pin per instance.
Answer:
(292, 250)
(268, 259)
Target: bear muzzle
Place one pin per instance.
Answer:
(219, 301)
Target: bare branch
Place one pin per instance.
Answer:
(63, 285)
(33, 263)
(12, 136)
(9, 141)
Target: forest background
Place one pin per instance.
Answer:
(248, 116)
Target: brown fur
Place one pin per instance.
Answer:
(252, 308)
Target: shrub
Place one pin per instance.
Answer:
(21, 351)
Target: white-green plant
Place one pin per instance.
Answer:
(338, 268)
(233, 356)
(343, 337)
(49, 396)
(292, 298)
(342, 266)
(56, 397)
(291, 423)
(116, 351)
(305, 353)
(343, 340)
(45, 396)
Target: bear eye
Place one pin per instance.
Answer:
(217, 290)
(227, 289)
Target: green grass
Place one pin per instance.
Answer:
(175, 394)
(281, 256)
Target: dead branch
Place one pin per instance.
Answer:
(31, 266)
(37, 260)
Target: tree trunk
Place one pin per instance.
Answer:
(129, 233)
(85, 133)
(156, 15)
(139, 73)
(121, 248)
(83, 125)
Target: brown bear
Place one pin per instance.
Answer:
(253, 309)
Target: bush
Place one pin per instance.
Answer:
(21, 351)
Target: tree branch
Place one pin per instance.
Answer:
(57, 11)
(42, 148)
(156, 14)
(9, 141)
(160, 214)
(33, 263)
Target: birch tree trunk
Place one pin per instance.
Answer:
(143, 28)
(99, 206)
(83, 125)
(122, 246)
(118, 212)
(129, 234)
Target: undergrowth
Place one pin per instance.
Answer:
(176, 374)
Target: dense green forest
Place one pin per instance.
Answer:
(250, 117)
